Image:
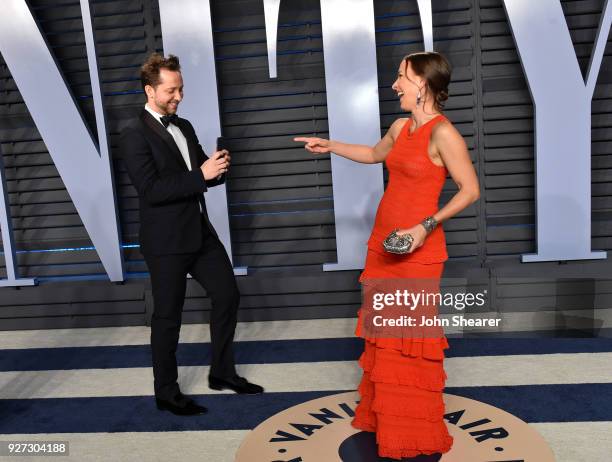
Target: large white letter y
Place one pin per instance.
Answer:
(562, 104)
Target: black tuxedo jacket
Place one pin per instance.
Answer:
(169, 194)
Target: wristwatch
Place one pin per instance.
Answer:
(429, 224)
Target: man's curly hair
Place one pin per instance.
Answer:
(149, 71)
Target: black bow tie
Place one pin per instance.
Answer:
(167, 119)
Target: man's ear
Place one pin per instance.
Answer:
(149, 91)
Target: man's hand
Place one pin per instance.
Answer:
(216, 165)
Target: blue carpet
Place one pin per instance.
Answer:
(277, 351)
(138, 413)
(532, 403)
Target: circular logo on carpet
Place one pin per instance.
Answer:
(320, 431)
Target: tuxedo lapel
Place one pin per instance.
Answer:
(191, 144)
(160, 131)
(195, 163)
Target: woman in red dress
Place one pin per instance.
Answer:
(403, 377)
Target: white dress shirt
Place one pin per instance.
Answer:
(178, 136)
(176, 133)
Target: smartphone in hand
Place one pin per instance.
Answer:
(221, 145)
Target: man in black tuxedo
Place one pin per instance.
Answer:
(170, 172)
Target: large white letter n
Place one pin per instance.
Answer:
(562, 104)
(84, 168)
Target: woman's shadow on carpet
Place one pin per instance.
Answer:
(361, 447)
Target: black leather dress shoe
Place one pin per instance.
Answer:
(238, 384)
(188, 407)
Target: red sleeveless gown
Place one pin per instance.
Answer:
(403, 378)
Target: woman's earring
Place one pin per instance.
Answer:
(419, 98)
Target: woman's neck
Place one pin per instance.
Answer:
(422, 115)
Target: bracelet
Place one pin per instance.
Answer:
(429, 224)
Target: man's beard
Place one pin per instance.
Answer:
(167, 108)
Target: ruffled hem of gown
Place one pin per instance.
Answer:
(423, 347)
(407, 409)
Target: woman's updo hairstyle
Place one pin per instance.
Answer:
(436, 70)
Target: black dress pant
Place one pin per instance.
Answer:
(211, 267)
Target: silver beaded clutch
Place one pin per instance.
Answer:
(398, 244)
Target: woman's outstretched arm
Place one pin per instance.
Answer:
(356, 152)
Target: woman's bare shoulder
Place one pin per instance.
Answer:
(396, 126)
(444, 129)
